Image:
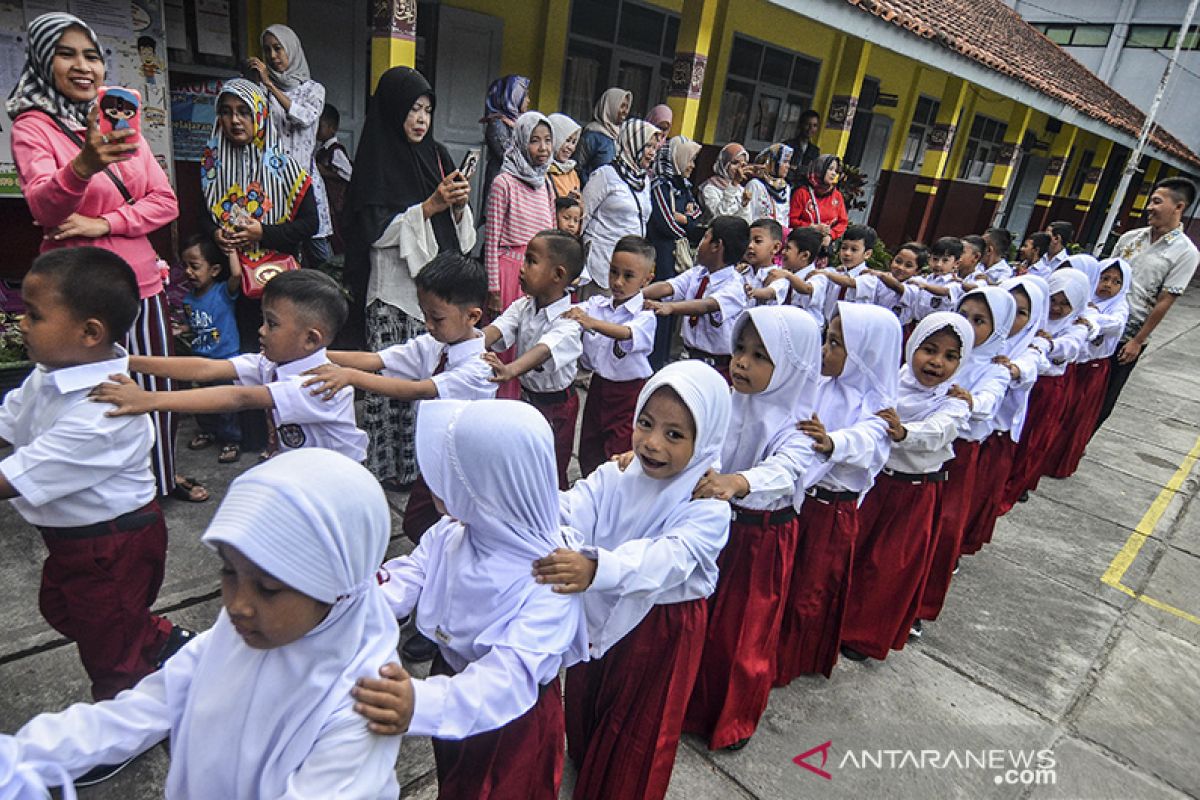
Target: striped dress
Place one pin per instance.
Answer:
(516, 212)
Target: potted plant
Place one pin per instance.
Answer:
(14, 361)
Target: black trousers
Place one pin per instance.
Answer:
(1117, 375)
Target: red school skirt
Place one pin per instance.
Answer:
(520, 761)
(950, 519)
(891, 553)
(607, 421)
(625, 710)
(811, 631)
(744, 615)
(1047, 404)
(1087, 398)
(991, 478)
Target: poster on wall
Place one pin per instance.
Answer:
(133, 36)
(193, 111)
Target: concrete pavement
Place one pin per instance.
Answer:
(1039, 681)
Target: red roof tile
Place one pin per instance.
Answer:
(994, 35)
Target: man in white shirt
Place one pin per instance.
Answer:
(1163, 260)
(1061, 234)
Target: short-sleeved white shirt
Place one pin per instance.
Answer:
(624, 360)
(301, 418)
(73, 465)
(526, 326)
(712, 332)
(1166, 265)
(464, 376)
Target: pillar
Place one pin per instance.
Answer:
(393, 36)
(259, 15)
(547, 86)
(1091, 181)
(937, 167)
(845, 87)
(1055, 177)
(1005, 169)
(698, 37)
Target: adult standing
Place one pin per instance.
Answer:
(674, 225)
(86, 188)
(804, 146)
(1163, 260)
(296, 102)
(616, 201)
(723, 194)
(598, 144)
(563, 173)
(507, 99)
(661, 117)
(818, 201)
(770, 194)
(406, 204)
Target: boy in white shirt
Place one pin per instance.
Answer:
(618, 337)
(711, 294)
(853, 280)
(1057, 249)
(302, 312)
(997, 242)
(798, 283)
(548, 342)
(970, 266)
(84, 478)
(941, 290)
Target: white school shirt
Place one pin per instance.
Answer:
(986, 396)
(1000, 271)
(347, 760)
(340, 162)
(464, 376)
(1063, 350)
(929, 442)
(925, 303)
(773, 480)
(526, 326)
(859, 452)
(72, 464)
(836, 293)
(1102, 344)
(712, 332)
(813, 303)
(493, 685)
(1048, 263)
(625, 360)
(611, 209)
(1029, 365)
(302, 419)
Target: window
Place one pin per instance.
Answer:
(914, 146)
(1081, 172)
(1067, 35)
(984, 143)
(1161, 37)
(617, 43)
(766, 92)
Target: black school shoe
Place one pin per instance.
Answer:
(102, 773)
(419, 648)
(852, 654)
(738, 745)
(176, 639)
(917, 630)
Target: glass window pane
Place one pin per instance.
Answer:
(745, 58)
(587, 65)
(1147, 36)
(789, 117)
(641, 28)
(594, 19)
(776, 67)
(1091, 35)
(804, 75)
(735, 111)
(671, 36)
(766, 116)
(1059, 34)
(1001, 132)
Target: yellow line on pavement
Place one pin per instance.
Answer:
(1145, 528)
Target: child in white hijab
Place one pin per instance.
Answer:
(774, 371)
(259, 705)
(649, 560)
(859, 366)
(898, 516)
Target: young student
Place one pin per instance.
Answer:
(84, 478)
(762, 254)
(991, 312)
(260, 705)
(775, 369)
(941, 290)
(216, 280)
(853, 279)
(797, 283)
(492, 701)
(711, 295)
(1032, 252)
(995, 255)
(970, 266)
(859, 368)
(909, 260)
(1060, 343)
(770, 194)
(1032, 296)
(899, 515)
(568, 215)
(548, 344)
(333, 162)
(302, 312)
(1061, 235)
(648, 562)
(618, 337)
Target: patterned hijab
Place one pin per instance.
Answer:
(35, 88)
(632, 139)
(816, 173)
(504, 99)
(729, 155)
(608, 107)
(516, 158)
(257, 179)
(297, 68)
(772, 157)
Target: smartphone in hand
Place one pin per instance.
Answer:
(120, 110)
(469, 163)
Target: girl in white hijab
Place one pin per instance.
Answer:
(774, 370)
(897, 518)
(859, 366)
(259, 705)
(649, 560)
(502, 637)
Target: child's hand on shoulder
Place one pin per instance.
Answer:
(501, 372)
(329, 379)
(576, 314)
(962, 394)
(623, 460)
(387, 702)
(721, 487)
(815, 430)
(896, 430)
(777, 274)
(569, 571)
(659, 308)
(125, 394)
(1045, 335)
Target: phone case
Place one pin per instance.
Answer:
(120, 109)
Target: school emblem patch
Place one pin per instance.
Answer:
(292, 436)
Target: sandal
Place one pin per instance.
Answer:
(229, 454)
(201, 441)
(189, 490)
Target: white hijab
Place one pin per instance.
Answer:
(1117, 301)
(297, 68)
(492, 464)
(759, 421)
(868, 382)
(1077, 287)
(562, 128)
(1088, 265)
(1015, 405)
(915, 401)
(247, 719)
(1004, 310)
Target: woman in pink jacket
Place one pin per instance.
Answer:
(86, 188)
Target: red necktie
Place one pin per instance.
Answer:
(441, 365)
(787, 301)
(695, 320)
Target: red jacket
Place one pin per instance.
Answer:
(809, 208)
